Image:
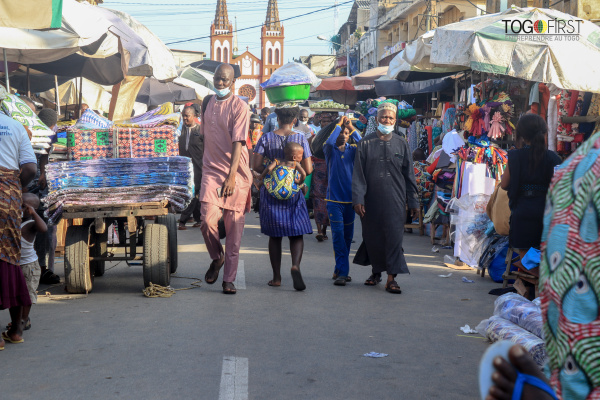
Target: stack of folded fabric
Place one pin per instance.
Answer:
(118, 181)
(18, 110)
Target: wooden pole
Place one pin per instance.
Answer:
(28, 83)
(113, 100)
(80, 96)
(56, 95)
(6, 71)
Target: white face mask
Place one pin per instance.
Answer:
(222, 92)
(303, 122)
(385, 129)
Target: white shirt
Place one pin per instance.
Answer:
(15, 146)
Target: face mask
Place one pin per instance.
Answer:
(302, 122)
(385, 129)
(222, 92)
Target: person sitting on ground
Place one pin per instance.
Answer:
(32, 224)
(283, 178)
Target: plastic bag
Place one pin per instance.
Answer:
(520, 311)
(292, 74)
(471, 223)
(496, 328)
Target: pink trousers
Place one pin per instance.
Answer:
(234, 227)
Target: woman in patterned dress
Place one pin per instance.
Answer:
(279, 218)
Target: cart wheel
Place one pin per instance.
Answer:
(79, 277)
(156, 255)
(170, 221)
(99, 249)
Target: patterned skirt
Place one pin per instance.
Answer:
(319, 192)
(279, 218)
(13, 288)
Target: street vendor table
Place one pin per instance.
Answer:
(87, 248)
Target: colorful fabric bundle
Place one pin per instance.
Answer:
(118, 181)
(132, 143)
(520, 311)
(475, 122)
(162, 115)
(161, 141)
(281, 183)
(89, 119)
(424, 183)
(16, 108)
(496, 130)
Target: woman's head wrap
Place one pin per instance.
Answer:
(387, 106)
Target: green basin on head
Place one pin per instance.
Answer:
(282, 94)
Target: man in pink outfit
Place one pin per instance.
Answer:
(226, 177)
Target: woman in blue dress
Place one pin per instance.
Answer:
(279, 218)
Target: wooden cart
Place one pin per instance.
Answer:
(87, 248)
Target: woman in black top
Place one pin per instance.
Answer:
(527, 178)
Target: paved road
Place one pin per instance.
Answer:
(263, 343)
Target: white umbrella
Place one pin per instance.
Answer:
(83, 31)
(570, 60)
(199, 80)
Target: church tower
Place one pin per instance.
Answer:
(271, 43)
(221, 35)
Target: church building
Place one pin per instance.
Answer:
(255, 70)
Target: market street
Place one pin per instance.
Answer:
(264, 342)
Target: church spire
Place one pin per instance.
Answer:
(272, 21)
(221, 19)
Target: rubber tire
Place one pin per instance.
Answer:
(79, 277)
(170, 221)
(156, 255)
(99, 249)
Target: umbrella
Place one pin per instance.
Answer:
(154, 92)
(211, 66)
(199, 80)
(570, 60)
(157, 62)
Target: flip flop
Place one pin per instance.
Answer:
(271, 283)
(297, 279)
(486, 369)
(8, 339)
(181, 228)
(393, 287)
(319, 237)
(213, 272)
(229, 288)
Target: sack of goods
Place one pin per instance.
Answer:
(290, 83)
(119, 181)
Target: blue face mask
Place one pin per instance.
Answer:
(385, 129)
(222, 92)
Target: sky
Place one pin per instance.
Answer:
(175, 20)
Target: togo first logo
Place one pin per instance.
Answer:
(551, 29)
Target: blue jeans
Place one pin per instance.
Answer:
(341, 217)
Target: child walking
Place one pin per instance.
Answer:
(32, 225)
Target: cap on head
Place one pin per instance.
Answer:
(387, 106)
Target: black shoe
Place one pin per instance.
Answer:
(49, 278)
(340, 281)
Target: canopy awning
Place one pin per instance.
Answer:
(393, 87)
(368, 77)
(337, 83)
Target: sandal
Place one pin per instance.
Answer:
(319, 237)
(229, 288)
(274, 284)
(196, 225)
(393, 287)
(9, 340)
(26, 325)
(213, 271)
(373, 280)
(335, 276)
(182, 228)
(325, 237)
